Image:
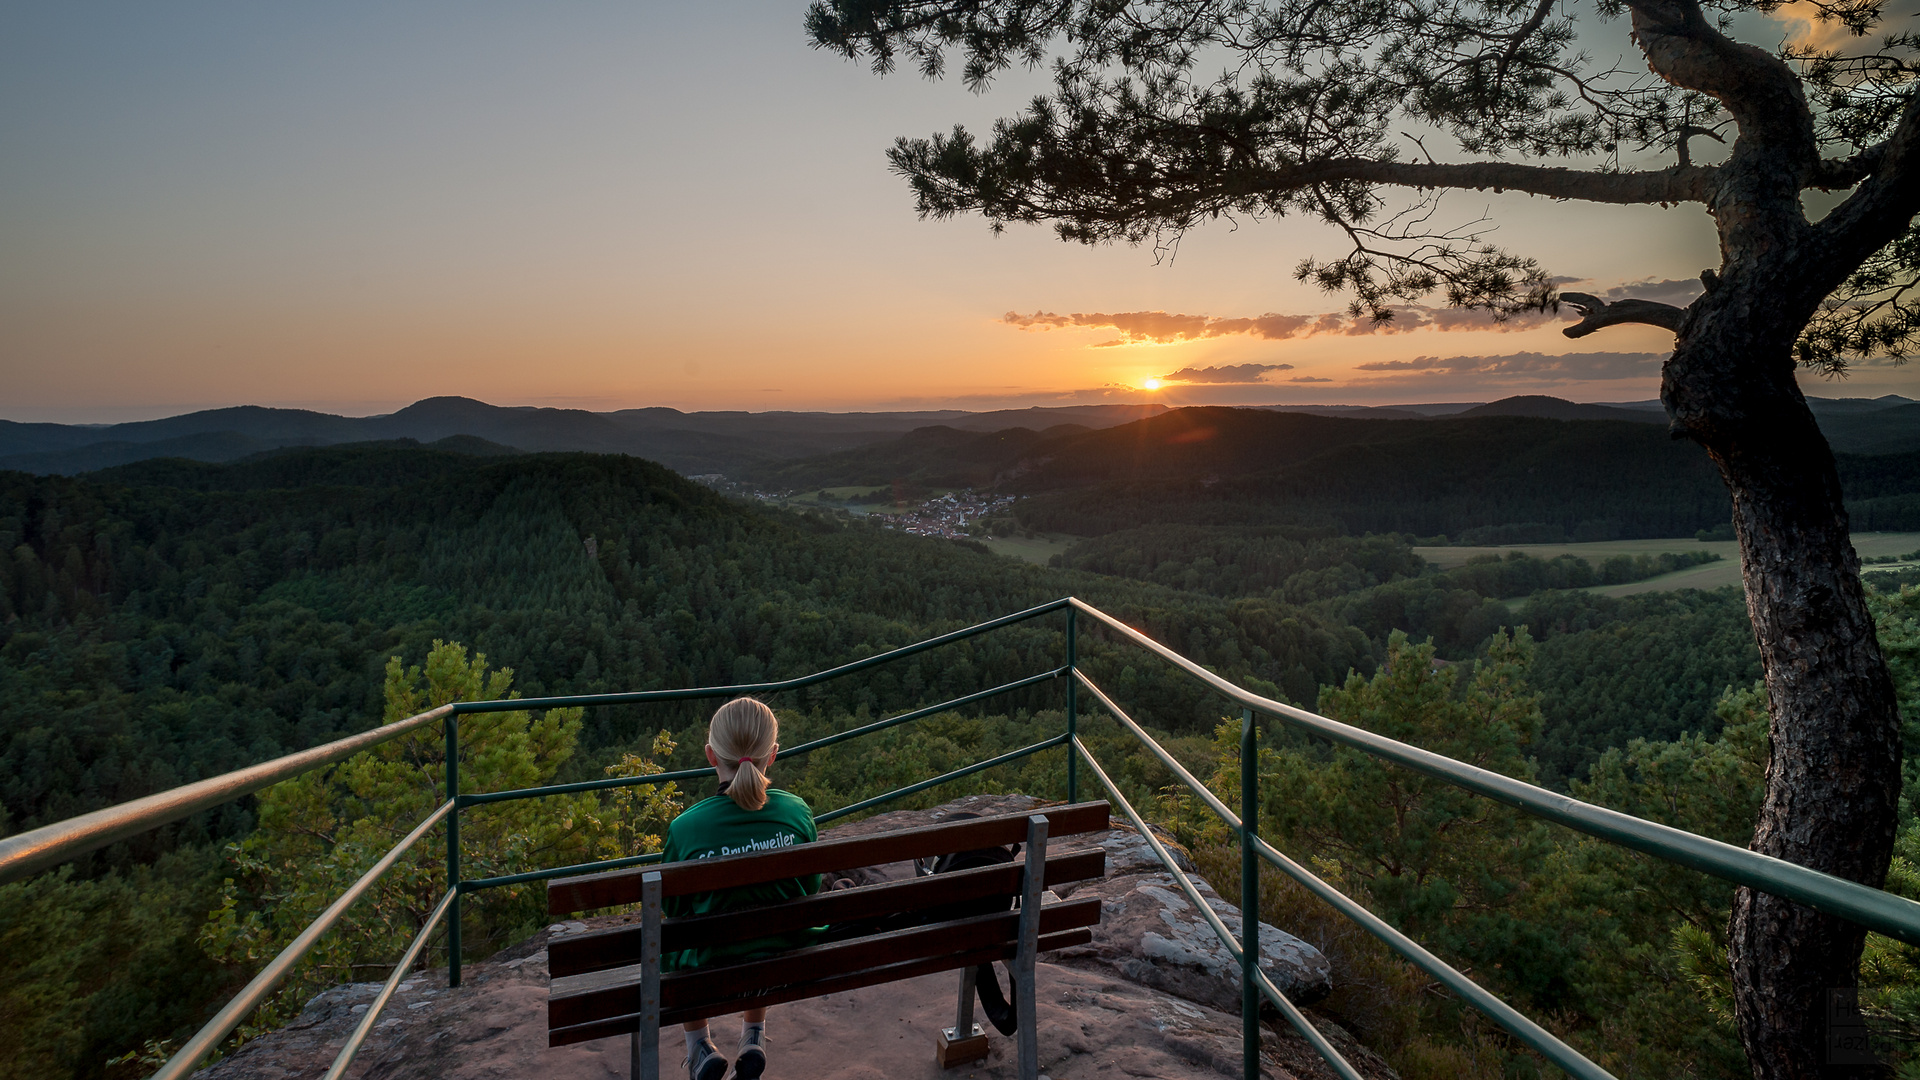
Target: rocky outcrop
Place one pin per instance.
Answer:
(1153, 996)
(1149, 931)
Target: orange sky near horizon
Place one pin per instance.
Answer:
(603, 206)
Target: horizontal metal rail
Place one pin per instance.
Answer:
(365, 1027)
(1878, 911)
(477, 884)
(485, 797)
(189, 1056)
(35, 850)
(30, 852)
(1272, 993)
(638, 697)
(930, 710)
(915, 789)
(803, 748)
(1516, 1022)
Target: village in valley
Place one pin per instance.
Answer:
(954, 515)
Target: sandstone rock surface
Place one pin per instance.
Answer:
(1149, 998)
(1149, 931)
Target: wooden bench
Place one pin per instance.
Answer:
(608, 982)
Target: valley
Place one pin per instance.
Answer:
(170, 618)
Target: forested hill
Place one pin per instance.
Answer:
(171, 620)
(1574, 479)
(1593, 479)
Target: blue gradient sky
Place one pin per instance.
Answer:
(351, 206)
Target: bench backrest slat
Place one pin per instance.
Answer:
(569, 895)
(820, 961)
(623, 1023)
(590, 997)
(620, 945)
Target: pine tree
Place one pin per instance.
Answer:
(1137, 141)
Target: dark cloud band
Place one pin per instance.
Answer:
(1225, 374)
(1165, 328)
(1566, 367)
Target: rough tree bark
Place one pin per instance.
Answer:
(1833, 777)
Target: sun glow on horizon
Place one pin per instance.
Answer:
(1150, 384)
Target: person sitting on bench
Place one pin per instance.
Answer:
(747, 815)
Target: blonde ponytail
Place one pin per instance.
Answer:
(742, 734)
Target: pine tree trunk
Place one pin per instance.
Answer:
(1833, 776)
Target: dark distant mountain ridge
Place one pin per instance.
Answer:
(937, 456)
(757, 444)
(1553, 408)
(691, 443)
(1549, 479)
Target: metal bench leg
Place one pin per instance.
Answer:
(963, 1016)
(1025, 986)
(964, 1042)
(646, 1040)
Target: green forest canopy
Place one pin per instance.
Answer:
(171, 620)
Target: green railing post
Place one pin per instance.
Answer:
(1073, 705)
(1249, 898)
(453, 850)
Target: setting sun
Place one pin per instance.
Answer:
(1151, 384)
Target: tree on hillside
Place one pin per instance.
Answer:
(1434, 860)
(320, 831)
(1320, 108)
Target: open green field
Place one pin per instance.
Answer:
(836, 499)
(1038, 550)
(1709, 576)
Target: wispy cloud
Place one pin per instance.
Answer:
(1225, 374)
(1165, 328)
(1308, 378)
(1529, 366)
(1161, 327)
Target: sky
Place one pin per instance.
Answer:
(353, 206)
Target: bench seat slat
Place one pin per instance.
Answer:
(628, 1022)
(619, 946)
(582, 998)
(588, 891)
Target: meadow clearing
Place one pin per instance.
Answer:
(1711, 575)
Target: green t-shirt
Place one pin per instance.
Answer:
(717, 826)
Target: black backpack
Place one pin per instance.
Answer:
(997, 1005)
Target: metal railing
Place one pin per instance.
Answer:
(38, 849)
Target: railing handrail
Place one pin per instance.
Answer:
(30, 852)
(1517, 1023)
(1874, 909)
(188, 1057)
(37, 849)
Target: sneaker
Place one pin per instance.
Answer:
(753, 1056)
(705, 1063)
